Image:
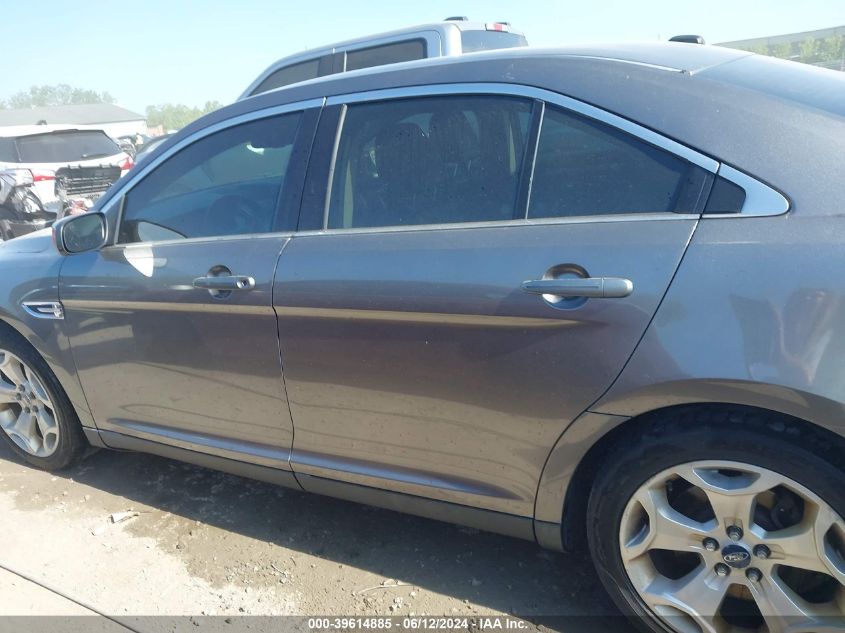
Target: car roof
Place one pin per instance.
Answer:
(16, 131)
(801, 84)
(671, 56)
(676, 56)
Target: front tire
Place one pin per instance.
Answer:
(37, 420)
(715, 521)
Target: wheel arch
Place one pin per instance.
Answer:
(52, 345)
(567, 477)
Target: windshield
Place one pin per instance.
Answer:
(65, 147)
(472, 41)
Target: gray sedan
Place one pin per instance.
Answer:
(588, 297)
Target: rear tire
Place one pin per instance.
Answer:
(648, 520)
(50, 437)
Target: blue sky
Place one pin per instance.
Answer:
(191, 51)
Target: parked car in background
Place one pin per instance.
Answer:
(150, 145)
(571, 295)
(453, 36)
(69, 166)
(21, 211)
(126, 146)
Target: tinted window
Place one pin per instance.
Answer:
(8, 153)
(227, 183)
(387, 54)
(488, 40)
(65, 147)
(429, 161)
(586, 168)
(290, 75)
(725, 197)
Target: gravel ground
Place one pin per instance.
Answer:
(205, 543)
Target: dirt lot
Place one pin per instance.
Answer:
(206, 543)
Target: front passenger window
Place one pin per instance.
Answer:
(227, 183)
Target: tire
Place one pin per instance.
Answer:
(71, 444)
(762, 441)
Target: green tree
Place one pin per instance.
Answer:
(61, 94)
(173, 116)
(784, 51)
(831, 48)
(759, 49)
(809, 51)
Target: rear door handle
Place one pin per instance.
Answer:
(225, 282)
(597, 287)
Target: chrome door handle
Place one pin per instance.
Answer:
(225, 282)
(598, 287)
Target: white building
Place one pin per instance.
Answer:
(113, 120)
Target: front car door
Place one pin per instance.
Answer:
(172, 325)
(425, 348)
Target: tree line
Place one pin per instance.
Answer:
(810, 51)
(171, 116)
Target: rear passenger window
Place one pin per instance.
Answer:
(431, 160)
(386, 54)
(289, 75)
(587, 168)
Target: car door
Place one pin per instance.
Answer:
(469, 291)
(172, 325)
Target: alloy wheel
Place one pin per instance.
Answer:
(724, 547)
(27, 414)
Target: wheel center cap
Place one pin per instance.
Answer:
(736, 556)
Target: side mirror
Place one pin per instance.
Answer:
(80, 233)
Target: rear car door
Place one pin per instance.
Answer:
(485, 262)
(172, 326)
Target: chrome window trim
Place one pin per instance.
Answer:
(264, 113)
(761, 200)
(660, 216)
(530, 92)
(200, 240)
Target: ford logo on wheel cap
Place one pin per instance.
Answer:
(736, 556)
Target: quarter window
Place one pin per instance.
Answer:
(584, 167)
(385, 54)
(725, 197)
(290, 75)
(431, 160)
(227, 183)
